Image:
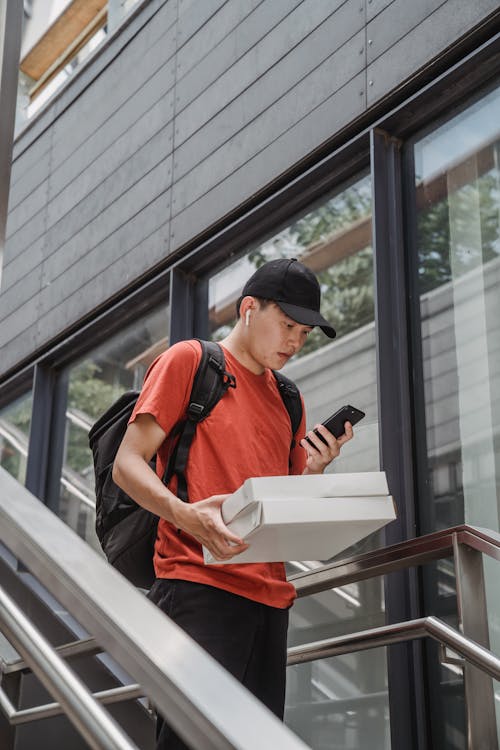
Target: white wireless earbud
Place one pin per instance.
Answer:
(247, 318)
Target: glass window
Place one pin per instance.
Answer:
(458, 243)
(458, 233)
(334, 240)
(340, 702)
(94, 383)
(15, 420)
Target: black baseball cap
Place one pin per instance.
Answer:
(293, 287)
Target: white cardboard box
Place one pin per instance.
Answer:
(306, 517)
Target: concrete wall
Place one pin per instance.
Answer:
(186, 112)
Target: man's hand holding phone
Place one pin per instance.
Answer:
(324, 442)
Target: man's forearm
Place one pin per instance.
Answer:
(202, 520)
(135, 477)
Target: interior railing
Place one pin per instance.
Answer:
(202, 702)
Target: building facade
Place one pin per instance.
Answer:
(195, 140)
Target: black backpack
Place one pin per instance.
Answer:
(126, 531)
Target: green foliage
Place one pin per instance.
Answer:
(10, 460)
(338, 213)
(433, 232)
(19, 416)
(474, 242)
(89, 392)
(346, 286)
(91, 395)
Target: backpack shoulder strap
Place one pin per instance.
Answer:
(291, 398)
(210, 383)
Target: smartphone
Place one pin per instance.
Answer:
(336, 423)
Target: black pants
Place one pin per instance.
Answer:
(247, 638)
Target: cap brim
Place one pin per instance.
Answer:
(307, 317)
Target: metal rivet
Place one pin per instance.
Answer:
(370, 83)
(370, 41)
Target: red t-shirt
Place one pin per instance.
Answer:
(247, 434)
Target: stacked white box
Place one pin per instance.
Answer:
(306, 517)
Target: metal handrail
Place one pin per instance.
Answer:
(467, 545)
(412, 552)
(177, 675)
(398, 633)
(95, 724)
(87, 646)
(49, 710)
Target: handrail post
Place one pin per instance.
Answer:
(11, 686)
(473, 622)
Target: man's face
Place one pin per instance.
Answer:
(274, 337)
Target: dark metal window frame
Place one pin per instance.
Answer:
(183, 279)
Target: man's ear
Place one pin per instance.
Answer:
(247, 303)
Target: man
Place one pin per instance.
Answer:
(238, 613)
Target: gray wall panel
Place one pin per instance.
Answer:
(30, 180)
(104, 256)
(20, 345)
(187, 112)
(26, 288)
(265, 17)
(154, 249)
(35, 129)
(104, 98)
(85, 75)
(22, 263)
(296, 104)
(150, 103)
(161, 13)
(150, 135)
(336, 112)
(373, 7)
(105, 241)
(127, 206)
(30, 231)
(25, 210)
(435, 33)
(263, 56)
(16, 321)
(103, 285)
(29, 157)
(395, 22)
(212, 33)
(66, 217)
(288, 71)
(192, 15)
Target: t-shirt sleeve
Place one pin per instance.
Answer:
(167, 385)
(298, 454)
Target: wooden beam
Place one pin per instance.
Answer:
(74, 48)
(60, 35)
